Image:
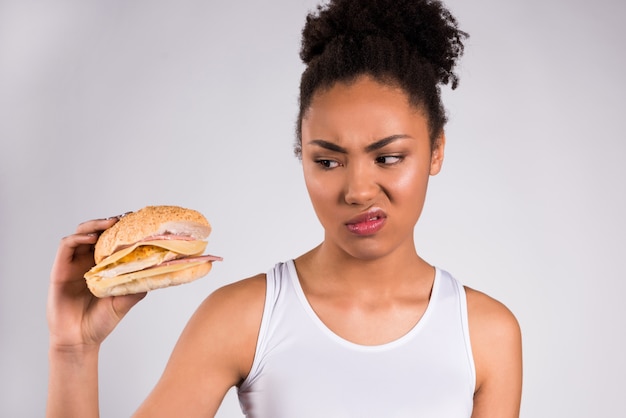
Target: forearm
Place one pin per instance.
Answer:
(73, 383)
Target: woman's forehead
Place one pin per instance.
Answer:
(364, 106)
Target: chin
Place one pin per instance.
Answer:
(371, 248)
(367, 251)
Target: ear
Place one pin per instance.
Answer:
(436, 156)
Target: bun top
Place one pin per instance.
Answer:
(151, 221)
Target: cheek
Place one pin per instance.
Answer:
(410, 185)
(320, 188)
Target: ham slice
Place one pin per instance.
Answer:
(193, 259)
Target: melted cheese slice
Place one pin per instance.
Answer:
(154, 271)
(151, 252)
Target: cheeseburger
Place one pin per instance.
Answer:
(155, 247)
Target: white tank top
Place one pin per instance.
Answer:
(302, 369)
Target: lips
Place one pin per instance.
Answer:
(367, 223)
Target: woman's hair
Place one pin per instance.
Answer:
(412, 44)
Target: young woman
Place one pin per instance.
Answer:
(359, 326)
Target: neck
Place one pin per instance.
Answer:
(329, 268)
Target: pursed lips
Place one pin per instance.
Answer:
(367, 223)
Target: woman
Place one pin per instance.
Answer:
(360, 325)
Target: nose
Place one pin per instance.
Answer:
(361, 186)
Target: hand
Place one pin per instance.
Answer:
(76, 318)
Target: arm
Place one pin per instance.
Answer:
(497, 346)
(214, 352)
(78, 323)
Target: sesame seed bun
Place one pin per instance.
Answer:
(151, 221)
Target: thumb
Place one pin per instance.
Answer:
(123, 304)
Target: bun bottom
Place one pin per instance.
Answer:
(100, 289)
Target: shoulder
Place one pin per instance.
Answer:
(497, 347)
(490, 317)
(492, 325)
(233, 313)
(238, 298)
(227, 322)
(214, 352)
(224, 329)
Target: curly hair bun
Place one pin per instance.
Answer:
(425, 25)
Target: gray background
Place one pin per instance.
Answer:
(108, 106)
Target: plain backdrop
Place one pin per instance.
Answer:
(108, 106)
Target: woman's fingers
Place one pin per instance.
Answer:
(99, 225)
(96, 225)
(75, 252)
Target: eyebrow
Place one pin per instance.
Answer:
(374, 146)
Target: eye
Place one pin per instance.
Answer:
(327, 164)
(389, 159)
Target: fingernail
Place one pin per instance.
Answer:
(118, 216)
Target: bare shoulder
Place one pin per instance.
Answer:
(493, 327)
(240, 298)
(232, 315)
(497, 347)
(214, 352)
(490, 314)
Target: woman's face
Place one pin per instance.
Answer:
(366, 157)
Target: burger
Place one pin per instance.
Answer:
(155, 247)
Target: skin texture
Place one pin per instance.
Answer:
(355, 281)
(364, 148)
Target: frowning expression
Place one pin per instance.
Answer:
(367, 158)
